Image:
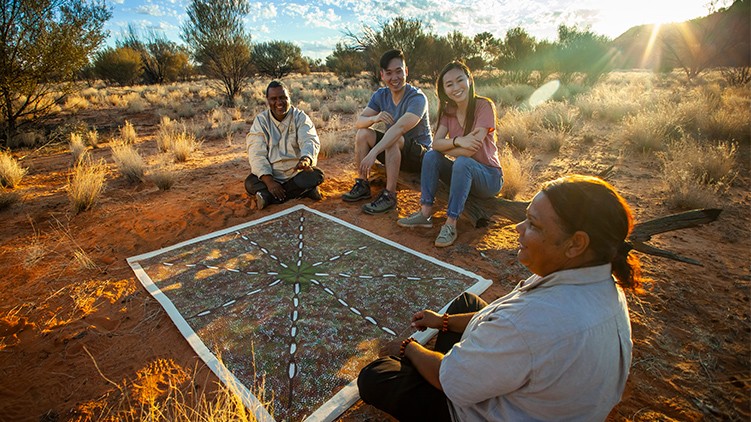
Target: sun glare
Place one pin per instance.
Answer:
(618, 16)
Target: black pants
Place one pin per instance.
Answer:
(412, 153)
(392, 384)
(296, 187)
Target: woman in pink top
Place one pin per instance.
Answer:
(464, 153)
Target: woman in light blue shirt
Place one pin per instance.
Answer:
(557, 347)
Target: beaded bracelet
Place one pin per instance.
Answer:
(403, 347)
(445, 326)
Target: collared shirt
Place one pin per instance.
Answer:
(276, 147)
(555, 348)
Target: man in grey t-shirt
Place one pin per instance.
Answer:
(404, 110)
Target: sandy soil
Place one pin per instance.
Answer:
(77, 337)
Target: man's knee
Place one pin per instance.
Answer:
(252, 184)
(365, 137)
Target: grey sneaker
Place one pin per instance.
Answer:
(260, 201)
(361, 190)
(416, 220)
(386, 201)
(446, 237)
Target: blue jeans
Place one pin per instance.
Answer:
(464, 176)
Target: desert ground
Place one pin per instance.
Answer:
(81, 339)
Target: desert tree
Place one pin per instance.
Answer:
(464, 49)
(121, 65)
(409, 35)
(43, 45)
(278, 59)
(219, 43)
(345, 60)
(488, 46)
(162, 60)
(719, 39)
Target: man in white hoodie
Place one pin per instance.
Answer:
(282, 150)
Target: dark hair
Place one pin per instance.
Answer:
(275, 84)
(390, 55)
(591, 205)
(444, 100)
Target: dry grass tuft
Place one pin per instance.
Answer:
(517, 169)
(128, 133)
(162, 177)
(92, 138)
(129, 162)
(515, 128)
(11, 172)
(77, 147)
(652, 130)
(158, 395)
(85, 184)
(333, 143)
(183, 145)
(696, 173)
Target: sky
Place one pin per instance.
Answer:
(316, 26)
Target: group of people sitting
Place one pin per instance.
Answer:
(283, 146)
(558, 346)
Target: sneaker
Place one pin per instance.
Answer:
(314, 194)
(385, 201)
(416, 220)
(261, 202)
(446, 237)
(361, 190)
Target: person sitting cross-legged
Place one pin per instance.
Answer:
(282, 150)
(556, 348)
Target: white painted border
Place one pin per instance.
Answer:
(348, 395)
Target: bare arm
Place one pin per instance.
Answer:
(427, 362)
(369, 117)
(461, 145)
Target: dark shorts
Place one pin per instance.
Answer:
(412, 153)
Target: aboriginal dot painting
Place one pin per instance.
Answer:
(298, 302)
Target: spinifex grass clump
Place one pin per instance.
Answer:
(183, 145)
(85, 184)
(516, 172)
(129, 162)
(695, 172)
(11, 172)
(128, 133)
(77, 147)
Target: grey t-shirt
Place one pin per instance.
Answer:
(414, 101)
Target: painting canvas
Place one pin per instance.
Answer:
(299, 302)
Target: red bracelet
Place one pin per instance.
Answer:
(445, 326)
(403, 347)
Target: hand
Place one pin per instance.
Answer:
(391, 348)
(384, 117)
(469, 142)
(275, 188)
(423, 320)
(304, 164)
(367, 163)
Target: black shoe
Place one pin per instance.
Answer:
(384, 202)
(361, 190)
(314, 194)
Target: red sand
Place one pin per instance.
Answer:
(69, 333)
